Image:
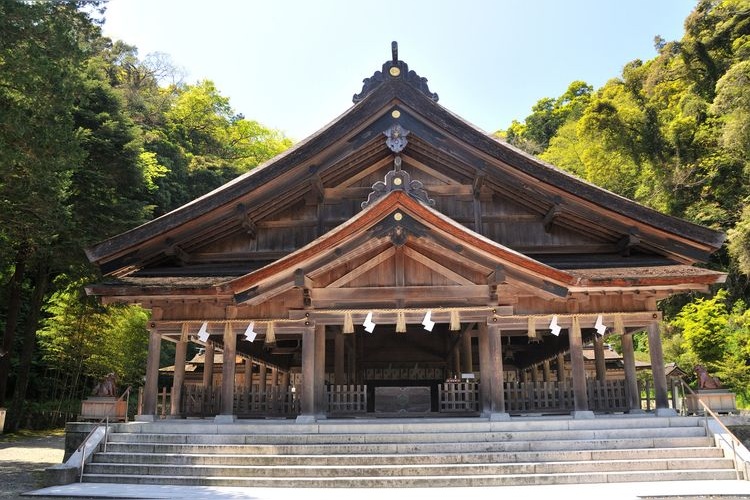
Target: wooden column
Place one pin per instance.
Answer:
(227, 375)
(534, 373)
(456, 357)
(631, 382)
(580, 396)
(307, 396)
(546, 371)
(179, 373)
(248, 373)
(485, 370)
(262, 378)
(151, 389)
(524, 375)
(274, 377)
(208, 366)
(339, 357)
(560, 367)
(467, 363)
(661, 394)
(285, 379)
(497, 397)
(601, 367)
(321, 397)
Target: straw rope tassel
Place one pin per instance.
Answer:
(401, 322)
(270, 334)
(619, 325)
(455, 321)
(531, 328)
(348, 323)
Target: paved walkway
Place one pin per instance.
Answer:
(724, 490)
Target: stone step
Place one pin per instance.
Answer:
(442, 480)
(404, 459)
(374, 426)
(398, 448)
(412, 437)
(305, 471)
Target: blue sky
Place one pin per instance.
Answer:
(294, 65)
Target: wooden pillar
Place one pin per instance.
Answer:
(339, 357)
(208, 365)
(262, 378)
(661, 393)
(274, 377)
(546, 371)
(321, 396)
(560, 367)
(151, 389)
(497, 397)
(467, 363)
(456, 357)
(524, 375)
(601, 367)
(248, 373)
(580, 396)
(308, 372)
(285, 379)
(534, 373)
(631, 382)
(179, 372)
(227, 375)
(485, 370)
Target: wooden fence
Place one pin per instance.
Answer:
(345, 399)
(459, 397)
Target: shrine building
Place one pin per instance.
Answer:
(401, 262)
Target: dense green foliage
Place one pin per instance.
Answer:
(93, 141)
(673, 133)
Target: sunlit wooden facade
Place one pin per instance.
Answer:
(396, 209)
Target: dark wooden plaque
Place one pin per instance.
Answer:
(402, 400)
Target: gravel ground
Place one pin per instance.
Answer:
(23, 460)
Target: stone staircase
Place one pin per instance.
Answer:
(410, 453)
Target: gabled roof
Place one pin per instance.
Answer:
(357, 134)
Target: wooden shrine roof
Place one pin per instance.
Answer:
(439, 142)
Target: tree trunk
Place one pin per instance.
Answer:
(29, 343)
(14, 307)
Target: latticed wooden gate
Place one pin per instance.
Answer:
(607, 395)
(459, 397)
(344, 399)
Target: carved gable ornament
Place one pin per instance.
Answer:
(395, 70)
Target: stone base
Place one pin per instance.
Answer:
(636, 411)
(665, 412)
(96, 408)
(582, 414)
(718, 400)
(145, 418)
(225, 419)
(309, 419)
(499, 417)
(60, 474)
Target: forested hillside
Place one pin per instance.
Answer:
(673, 133)
(93, 141)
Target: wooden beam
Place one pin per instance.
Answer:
(407, 293)
(399, 268)
(301, 280)
(435, 266)
(365, 267)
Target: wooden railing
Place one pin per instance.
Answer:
(607, 395)
(538, 396)
(344, 399)
(459, 397)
